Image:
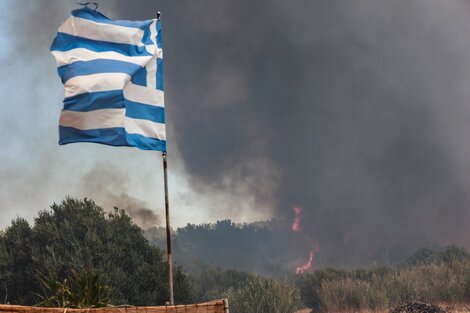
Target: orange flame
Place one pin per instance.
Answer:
(297, 219)
(306, 266)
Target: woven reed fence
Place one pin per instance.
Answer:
(216, 306)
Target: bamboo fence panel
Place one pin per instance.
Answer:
(216, 306)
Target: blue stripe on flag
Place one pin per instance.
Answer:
(97, 17)
(146, 38)
(146, 143)
(91, 101)
(160, 74)
(97, 66)
(144, 111)
(159, 34)
(65, 42)
(106, 136)
(140, 77)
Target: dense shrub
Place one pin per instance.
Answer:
(310, 285)
(212, 283)
(261, 295)
(76, 235)
(80, 290)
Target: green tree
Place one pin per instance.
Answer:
(76, 235)
(16, 262)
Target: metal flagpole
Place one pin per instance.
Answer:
(168, 233)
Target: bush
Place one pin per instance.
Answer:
(213, 283)
(81, 290)
(310, 285)
(260, 295)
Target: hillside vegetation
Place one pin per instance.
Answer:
(428, 276)
(77, 255)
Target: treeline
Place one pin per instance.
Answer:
(269, 248)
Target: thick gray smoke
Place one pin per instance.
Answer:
(357, 111)
(360, 109)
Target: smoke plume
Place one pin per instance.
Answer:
(360, 108)
(356, 111)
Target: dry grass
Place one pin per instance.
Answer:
(461, 309)
(379, 289)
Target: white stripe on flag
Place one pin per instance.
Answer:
(144, 95)
(145, 128)
(151, 66)
(95, 82)
(105, 118)
(82, 54)
(81, 27)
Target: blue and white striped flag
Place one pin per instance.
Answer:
(112, 72)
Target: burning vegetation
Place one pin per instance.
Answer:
(296, 227)
(306, 266)
(297, 219)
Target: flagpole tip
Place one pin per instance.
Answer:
(158, 14)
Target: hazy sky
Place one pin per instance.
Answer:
(35, 171)
(356, 111)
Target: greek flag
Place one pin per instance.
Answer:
(112, 73)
